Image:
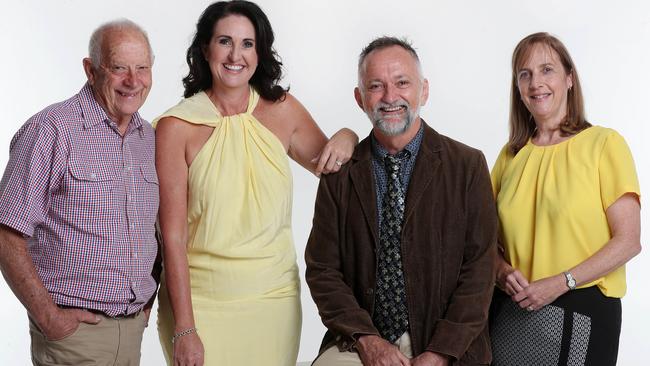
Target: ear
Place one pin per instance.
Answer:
(570, 79)
(88, 69)
(358, 98)
(425, 92)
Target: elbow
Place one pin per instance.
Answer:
(635, 249)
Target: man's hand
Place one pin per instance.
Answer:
(376, 351)
(62, 323)
(430, 359)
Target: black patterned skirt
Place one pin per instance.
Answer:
(580, 328)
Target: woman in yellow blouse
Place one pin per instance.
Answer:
(568, 200)
(230, 293)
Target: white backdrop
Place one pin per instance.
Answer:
(465, 48)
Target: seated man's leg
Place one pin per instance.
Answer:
(333, 357)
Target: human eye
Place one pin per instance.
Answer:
(547, 69)
(248, 43)
(373, 87)
(225, 41)
(143, 68)
(119, 69)
(403, 83)
(523, 75)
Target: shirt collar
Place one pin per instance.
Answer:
(93, 113)
(380, 152)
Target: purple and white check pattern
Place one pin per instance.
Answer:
(86, 200)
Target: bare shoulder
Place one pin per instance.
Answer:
(180, 129)
(287, 109)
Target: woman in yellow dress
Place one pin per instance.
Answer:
(568, 202)
(230, 293)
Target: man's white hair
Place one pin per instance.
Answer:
(97, 38)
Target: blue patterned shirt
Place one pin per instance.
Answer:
(379, 169)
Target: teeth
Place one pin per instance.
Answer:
(392, 109)
(233, 67)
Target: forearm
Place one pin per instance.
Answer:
(348, 135)
(21, 276)
(177, 280)
(614, 254)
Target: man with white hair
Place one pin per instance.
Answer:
(400, 256)
(78, 205)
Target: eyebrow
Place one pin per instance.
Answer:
(230, 37)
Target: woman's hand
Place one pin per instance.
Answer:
(188, 351)
(541, 292)
(336, 152)
(510, 280)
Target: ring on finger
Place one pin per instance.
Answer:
(339, 162)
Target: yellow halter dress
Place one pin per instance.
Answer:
(244, 278)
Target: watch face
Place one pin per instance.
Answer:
(572, 283)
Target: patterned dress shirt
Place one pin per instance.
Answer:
(378, 167)
(86, 200)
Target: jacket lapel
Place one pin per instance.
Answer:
(363, 181)
(426, 167)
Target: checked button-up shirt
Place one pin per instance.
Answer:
(86, 200)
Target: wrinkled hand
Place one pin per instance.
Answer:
(541, 292)
(188, 351)
(61, 323)
(336, 152)
(376, 351)
(427, 358)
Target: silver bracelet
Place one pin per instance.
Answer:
(183, 333)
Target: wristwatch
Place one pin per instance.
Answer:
(570, 281)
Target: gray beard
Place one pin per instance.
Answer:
(393, 129)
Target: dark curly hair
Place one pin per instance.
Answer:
(269, 69)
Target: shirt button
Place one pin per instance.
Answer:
(128, 167)
(134, 255)
(93, 176)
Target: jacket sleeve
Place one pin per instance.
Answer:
(467, 307)
(337, 305)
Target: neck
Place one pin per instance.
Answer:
(395, 144)
(229, 101)
(548, 133)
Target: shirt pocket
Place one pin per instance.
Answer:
(149, 191)
(90, 192)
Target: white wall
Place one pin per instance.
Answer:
(465, 48)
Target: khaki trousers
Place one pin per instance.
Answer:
(333, 357)
(111, 342)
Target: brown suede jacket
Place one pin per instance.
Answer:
(448, 249)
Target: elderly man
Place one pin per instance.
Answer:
(400, 256)
(78, 204)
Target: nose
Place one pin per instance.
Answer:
(131, 77)
(234, 54)
(390, 94)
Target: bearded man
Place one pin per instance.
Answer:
(400, 256)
